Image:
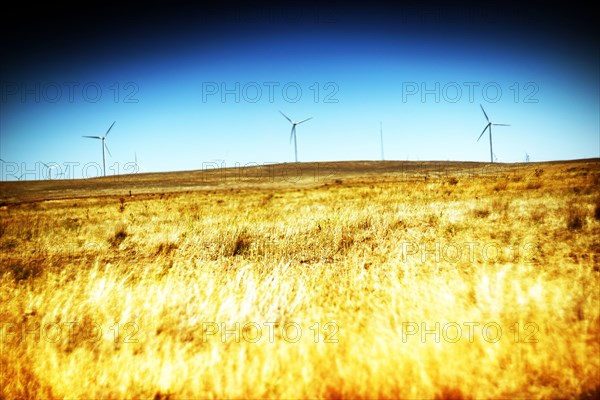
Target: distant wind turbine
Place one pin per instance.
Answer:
(526, 157)
(138, 166)
(381, 139)
(103, 139)
(489, 127)
(293, 132)
(50, 168)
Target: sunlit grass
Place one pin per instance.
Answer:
(447, 287)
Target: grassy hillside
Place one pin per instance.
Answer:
(354, 279)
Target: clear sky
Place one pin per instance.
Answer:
(209, 87)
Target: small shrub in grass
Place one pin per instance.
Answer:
(533, 185)
(118, 238)
(9, 244)
(166, 248)
(538, 216)
(433, 219)
(575, 217)
(538, 172)
(122, 205)
(501, 185)
(241, 243)
(346, 241)
(25, 269)
(481, 212)
(597, 209)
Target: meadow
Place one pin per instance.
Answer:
(335, 280)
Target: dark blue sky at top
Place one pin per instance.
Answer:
(190, 85)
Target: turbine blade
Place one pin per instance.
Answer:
(292, 132)
(484, 129)
(500, 124)
(304, 120)
(93, 137)
(286, 117)
(106, 134)
(486, 117)
(105, 145)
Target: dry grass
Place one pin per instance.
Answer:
(308, 288)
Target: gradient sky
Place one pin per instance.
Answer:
(420, 70)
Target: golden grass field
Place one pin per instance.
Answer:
(336, 280)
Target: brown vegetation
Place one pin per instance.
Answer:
(349, 280)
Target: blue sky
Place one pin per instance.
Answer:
(422, 79)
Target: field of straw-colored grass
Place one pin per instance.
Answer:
(355, 286)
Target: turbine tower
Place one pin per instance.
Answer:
(103, 140)
(381, 139)
(293, 132)
(489, 127)
(50, 168)
(137, 165)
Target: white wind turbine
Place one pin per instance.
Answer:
(103, 139)
(137, 165)
(489, 127)
(381, 138)
(50, 168)
(293, 132)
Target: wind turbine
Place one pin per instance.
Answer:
(381, 139)
(489, 127)
(50, 168)
(526, 157)
(138, 166)
(293, 132)
(103, 139)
